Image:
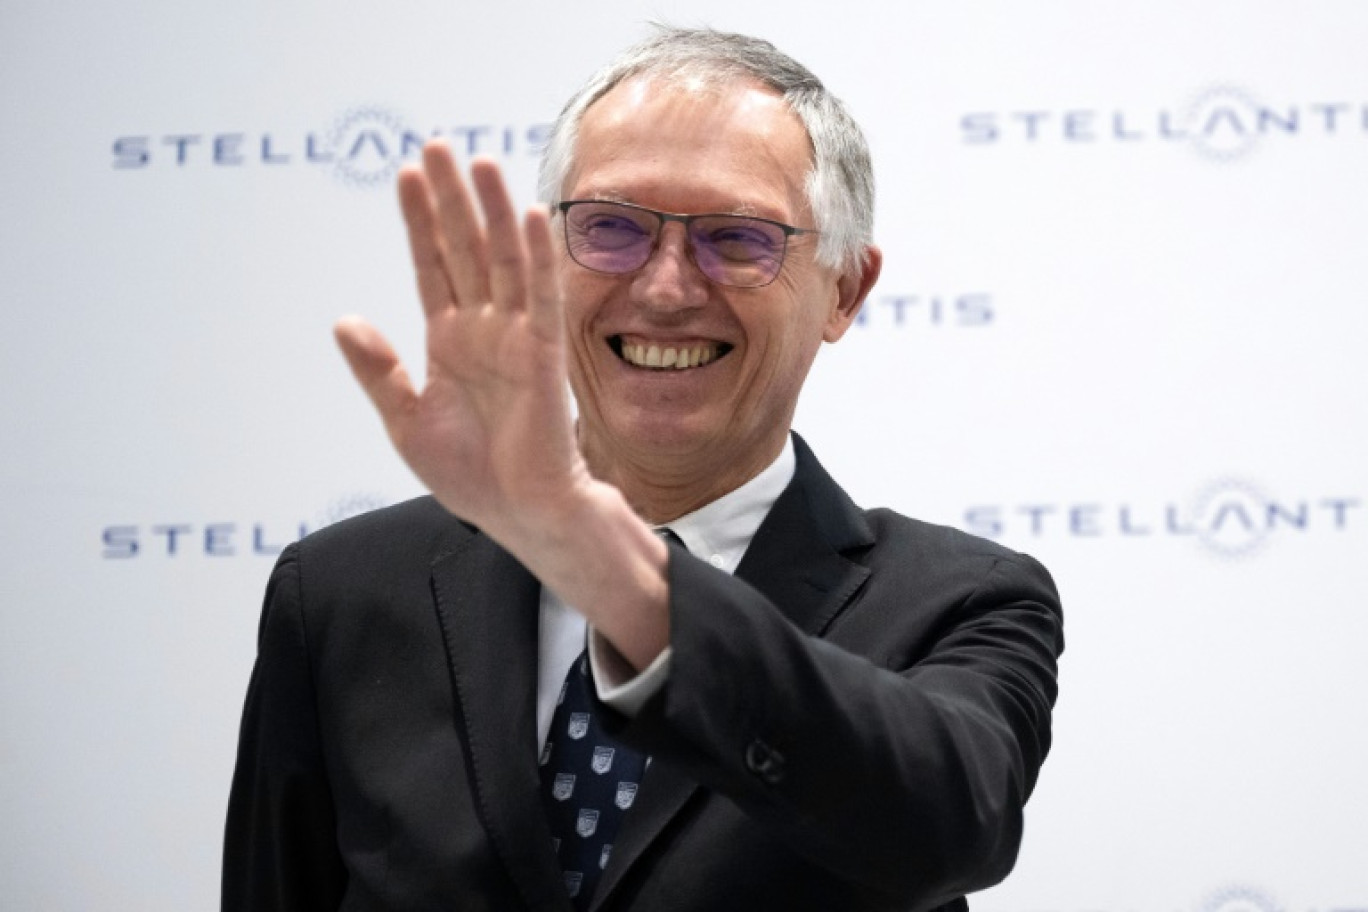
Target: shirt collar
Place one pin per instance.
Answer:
(721, 531)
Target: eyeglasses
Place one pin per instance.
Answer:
(617, 238)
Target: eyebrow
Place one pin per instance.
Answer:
(744, 209)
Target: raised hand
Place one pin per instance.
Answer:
(490, 432)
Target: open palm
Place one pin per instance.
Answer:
(490, 431)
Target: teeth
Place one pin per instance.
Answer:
(669, 358)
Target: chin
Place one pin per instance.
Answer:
(651, 433)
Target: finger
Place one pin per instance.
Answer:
(429, 262)
(507, 258)
(544, 301)
(377, 368)
(462, 237)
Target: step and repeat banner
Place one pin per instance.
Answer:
(1123, 326)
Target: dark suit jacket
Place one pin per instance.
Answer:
(853, 721)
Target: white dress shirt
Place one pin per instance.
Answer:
(718, 533)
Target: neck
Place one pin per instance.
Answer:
(663, 486)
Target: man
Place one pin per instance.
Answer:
(852, 719)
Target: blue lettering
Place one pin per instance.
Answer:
(1032, 119)
(313, 153)
(974, 309)
(538, 135)
(1037, 514)
(172, 534)
(979, 128)
(1340, 506)
(1078, 126)
(472, 136)
(984, 521)
(1219, 114)
(1127, 528)
(1166, 128)
(897, 302)
(269, 156)
(182, 144)
(1119, 128)
(226, 149)
(411, 143)
(1083, 520)
(1330, 111)
(131, 152)
(261, 546)
(1174, 526)
(120, 541)
(374, 138)
(218, 539)
(1231, 509)
(1269, 118)
(1277, 514)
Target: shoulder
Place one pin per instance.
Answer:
(905, 551)
(374, 549)
(418, 526)
(930, 553)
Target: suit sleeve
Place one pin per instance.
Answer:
(897, 750)
(280, 851)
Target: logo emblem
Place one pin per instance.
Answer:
(587, 822)
(573, 879)
(626, 794)
(603, 856)
(563, 787)
(1240, 899)
(579, 725)
(603, 760)
(369, 144)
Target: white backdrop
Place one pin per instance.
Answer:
(1122, 326)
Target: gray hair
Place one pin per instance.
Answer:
(840, 185)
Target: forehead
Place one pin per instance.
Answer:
(693, 146)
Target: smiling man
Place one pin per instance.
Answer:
(649, 657)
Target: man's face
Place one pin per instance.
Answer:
(695, 150)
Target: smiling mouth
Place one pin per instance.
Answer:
(667, 357)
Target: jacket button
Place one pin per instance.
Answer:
(765, 762)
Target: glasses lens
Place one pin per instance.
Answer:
(735, 250)
(607, 237)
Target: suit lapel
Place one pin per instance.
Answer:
(663, 794)
(796, 560)
(487, 607)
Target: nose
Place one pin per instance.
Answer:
(670, 280)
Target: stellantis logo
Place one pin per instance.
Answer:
(224, 538)
(963, 310)
(362, 147)
(1230, 518)
(1221, 123)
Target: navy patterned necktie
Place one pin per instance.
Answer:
(588, 781)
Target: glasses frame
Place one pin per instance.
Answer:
(662, 218)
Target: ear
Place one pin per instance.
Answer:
(852, 287)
